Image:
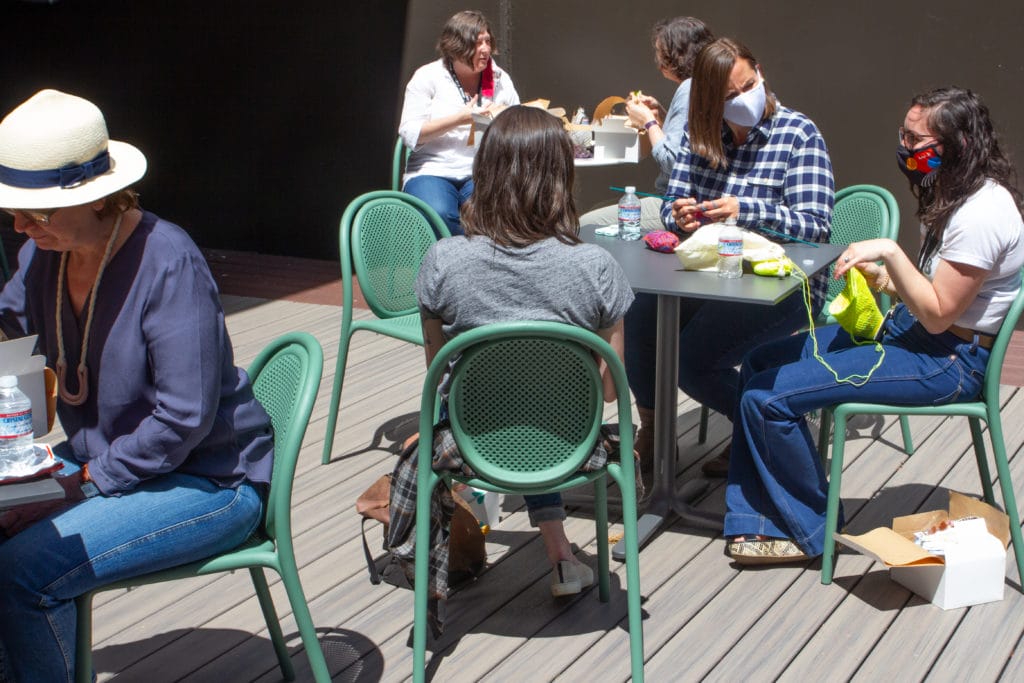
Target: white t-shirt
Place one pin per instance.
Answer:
(985, 232)
(431, 94)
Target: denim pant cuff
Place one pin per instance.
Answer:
(548, 513)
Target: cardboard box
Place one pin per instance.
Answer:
(971, 573)
(16, 358)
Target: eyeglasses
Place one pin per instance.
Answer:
(38, 216)
(912, 140)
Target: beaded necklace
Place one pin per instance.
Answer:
(62, 367)
(458, 84)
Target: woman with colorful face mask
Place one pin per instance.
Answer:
(747, 157)
(437, 115)
(936, 342)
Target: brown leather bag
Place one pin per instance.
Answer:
(467, 555)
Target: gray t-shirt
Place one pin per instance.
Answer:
(471, 281)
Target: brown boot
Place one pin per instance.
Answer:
(644, 446)
(645, 437)
(718, 466)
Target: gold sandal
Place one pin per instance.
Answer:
(766, 551)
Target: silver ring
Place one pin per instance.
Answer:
(846, 260)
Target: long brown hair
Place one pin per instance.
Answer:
(523, 175)
(970, 155)
(711, 74)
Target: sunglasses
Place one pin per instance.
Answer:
(37, 216)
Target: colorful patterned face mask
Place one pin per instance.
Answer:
(919, 165)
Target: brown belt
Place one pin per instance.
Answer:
(985, 341)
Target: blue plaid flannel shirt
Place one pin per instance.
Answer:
(781, 175)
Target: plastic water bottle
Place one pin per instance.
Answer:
(730, 250)
(629, 215)
(16, 436)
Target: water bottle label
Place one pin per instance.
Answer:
(15, 425)
(629, 214)
(728, 247)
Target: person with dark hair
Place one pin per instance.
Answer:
(676, 44)
(522, 259)
(168, 454)
(936, 341)
(747, 157)
(437, 115)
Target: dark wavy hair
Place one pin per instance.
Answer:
(458, 37)
(970, 155)
(523, 175)
(677, 42)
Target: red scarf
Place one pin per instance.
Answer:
(487, 80)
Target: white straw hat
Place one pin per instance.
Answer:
(55, 152)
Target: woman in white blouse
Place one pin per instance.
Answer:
(440, 100)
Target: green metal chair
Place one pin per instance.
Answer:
(383, 238)
(286, 378)
(398, 161)
(861, 212)
(525, 407)
(985, 409)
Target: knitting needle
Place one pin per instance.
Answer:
(761, 228)
(640, 194)
(787, 237)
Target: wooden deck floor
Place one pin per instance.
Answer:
(704, 618)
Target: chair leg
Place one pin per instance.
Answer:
(824, 429)
(627, 485)
(83, 638)
(259, 582)
(421, 588)
(835, 481)
(995, 432)
(339, 380)
(979, 454)
(303, 619)
(908, 438)
(702, 429)
(601, 521)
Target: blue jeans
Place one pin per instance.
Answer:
(444, 195)
(713, 338)
(167, 521)
(777, 486)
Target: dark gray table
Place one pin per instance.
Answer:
(19, 493)
(662, 274)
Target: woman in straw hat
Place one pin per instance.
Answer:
(170, 451)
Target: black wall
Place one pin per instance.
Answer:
(259, 119)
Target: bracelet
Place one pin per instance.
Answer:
(649, 124)
(880, 287)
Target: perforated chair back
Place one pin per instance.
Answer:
(398, 160)
(526, 412)
(861, 212)
(382, 239)
(525, 403)
(286, 378)
(390, 233)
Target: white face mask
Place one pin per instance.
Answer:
(747, 108)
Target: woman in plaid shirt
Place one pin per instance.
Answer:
(743, 156)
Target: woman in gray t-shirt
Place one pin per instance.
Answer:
(522, 259)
